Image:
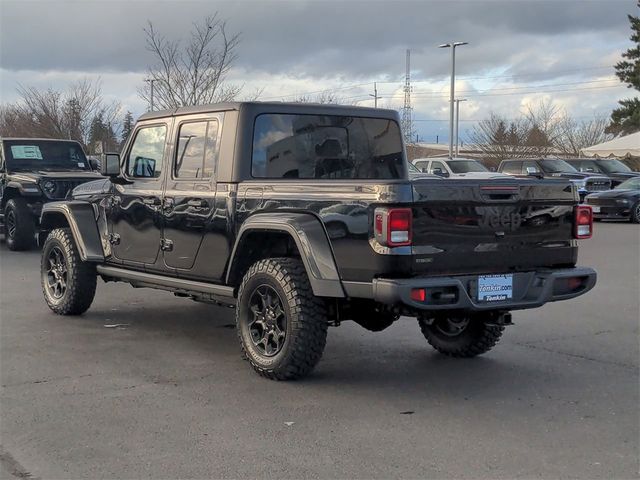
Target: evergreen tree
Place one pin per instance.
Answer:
(626, 118)
(127, 127)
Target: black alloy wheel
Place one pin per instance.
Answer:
(56, 274)
(268, 322)
(11, 223)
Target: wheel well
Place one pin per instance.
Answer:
(258, 245)
(7, 195)
(51, 221)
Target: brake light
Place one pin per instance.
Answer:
(582, 222)
(393, 226)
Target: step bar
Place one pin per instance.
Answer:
(180, 286)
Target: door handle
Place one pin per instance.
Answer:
(197, 202)
(151, 201)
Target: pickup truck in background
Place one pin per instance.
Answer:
(303, 216)
(585, 183)
(468, 168)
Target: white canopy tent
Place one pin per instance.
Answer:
(622, 147)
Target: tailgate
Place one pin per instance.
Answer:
(462, 226)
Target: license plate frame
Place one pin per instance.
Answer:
(495, 288)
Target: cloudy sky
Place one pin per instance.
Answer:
(518, 52)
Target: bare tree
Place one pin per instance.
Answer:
(53, 113)
(193, 74)
(543, 121)
(574, 135)
(324, 97)
(498, 138)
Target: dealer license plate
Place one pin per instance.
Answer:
(495, 288)
(595, 209)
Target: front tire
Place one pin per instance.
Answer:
(20, 225)
(282, 326)
(460, 336)
(68, 283)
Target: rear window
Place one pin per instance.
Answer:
(326, 147)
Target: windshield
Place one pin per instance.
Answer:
(555, 165)
(466, 166)
(631, 184)
(50, 155)
(614, 166)
(326, 146)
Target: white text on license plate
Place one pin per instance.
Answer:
(495, 288)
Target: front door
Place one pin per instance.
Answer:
(189, 198)
(135, 212)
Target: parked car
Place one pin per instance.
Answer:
(455, 168)
(617, 171)
(32, 173)
(231, 204)
(555, 168)
(623, 202)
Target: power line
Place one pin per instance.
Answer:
(356, 85)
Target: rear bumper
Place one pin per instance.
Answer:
(530, 290)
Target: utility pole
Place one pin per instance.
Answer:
(151, 81)
(375, 95)
(453, 87)
(458, 122)
(407, 122)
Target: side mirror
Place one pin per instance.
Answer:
(492, 169)
(441, 173)
(110, 164)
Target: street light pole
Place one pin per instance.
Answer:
(375, 95)
(453, 86)
(458, 123)
(151, 81)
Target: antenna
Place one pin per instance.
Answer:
(407, 120)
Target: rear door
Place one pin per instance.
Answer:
(189, 197)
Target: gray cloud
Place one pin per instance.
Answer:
(320, 38)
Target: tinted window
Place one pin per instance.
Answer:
(631, 184)
(586, 166)
(512, 167)
(466, 166)
(613, 166)
(326, 146)
(196, 153)
(555, 165)
(147, 152)
(25, 155)
(529, 165)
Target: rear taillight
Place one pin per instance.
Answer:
(393, 226)
(582, 222)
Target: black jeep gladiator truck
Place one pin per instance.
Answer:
(303, 216)
(32, 173)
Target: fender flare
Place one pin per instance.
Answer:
(81, 218)
(313, 244)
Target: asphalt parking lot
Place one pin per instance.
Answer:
(166, 395)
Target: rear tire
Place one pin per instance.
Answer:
(460, 336)
(19, 225)
(635, 213)
(281, 325)
(68, 283)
